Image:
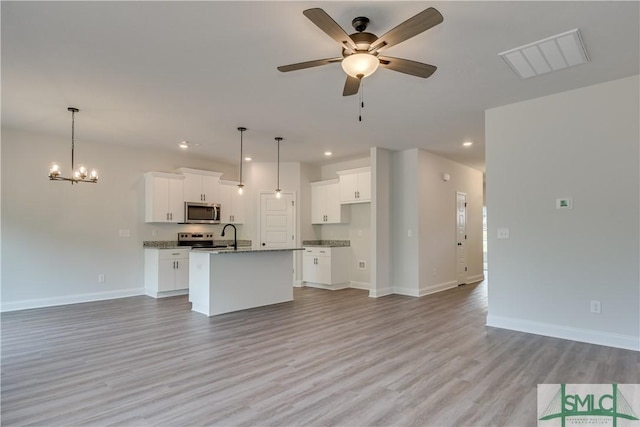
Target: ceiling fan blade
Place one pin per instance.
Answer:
(406, 66)
(411, 27)
(329, 26)
(308, 64)
(351, 86)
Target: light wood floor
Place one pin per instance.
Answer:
(328, 358)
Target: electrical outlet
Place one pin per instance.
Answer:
(101, 278)
(362, 265)
(503, 233)
(595, 307)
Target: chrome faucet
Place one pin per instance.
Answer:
(235, 235)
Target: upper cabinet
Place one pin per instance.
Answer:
(355, 185)
(325, 203)
(232, 205)
(201, 186)
(163, 196)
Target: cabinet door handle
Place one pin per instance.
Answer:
(171, 215)
(167, 216)
(177, 264)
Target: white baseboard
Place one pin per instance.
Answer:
(165, 294)
(69, 299)
(590, 336)
(375, 293)
(475, 279)
(298, 284)
(360, 285)
(427, 290)
(439, 287)
(335, 287)
(409, 292)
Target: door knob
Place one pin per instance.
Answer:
(264, 244)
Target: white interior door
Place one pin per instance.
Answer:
(461, 237)
(277, 221)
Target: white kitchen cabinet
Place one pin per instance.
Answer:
(166, 272)
(232, 204)
(200, 185)
(355, 185)
(163, 195)
(326, 267)
(325, 203)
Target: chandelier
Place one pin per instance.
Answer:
(77, 175)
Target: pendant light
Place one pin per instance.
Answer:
(77, 175)
(240, 184)
(278, 191)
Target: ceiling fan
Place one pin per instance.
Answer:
(361, 50)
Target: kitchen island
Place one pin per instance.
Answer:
(226, 280)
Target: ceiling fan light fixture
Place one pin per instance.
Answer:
(360, 64)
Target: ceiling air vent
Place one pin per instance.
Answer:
(544, 56)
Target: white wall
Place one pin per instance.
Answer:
(438, 239)
(404, 219)
(381, 231)
(582, 144)
(424, 222)
(329, 171)
(57, 237)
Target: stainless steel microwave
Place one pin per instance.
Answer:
(201, 213)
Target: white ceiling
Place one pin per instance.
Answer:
(156, 73)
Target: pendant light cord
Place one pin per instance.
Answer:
(73, 135)
(241, 133)
(241, 129)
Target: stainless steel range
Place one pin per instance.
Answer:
(198, 240)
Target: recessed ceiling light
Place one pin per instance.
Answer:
(247, 159)
(184, 144)
(467, 143)
(328, 153)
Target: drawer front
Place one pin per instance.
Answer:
(173, 253)
(317, 251)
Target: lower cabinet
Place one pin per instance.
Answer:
(325, 267)
(166, 272)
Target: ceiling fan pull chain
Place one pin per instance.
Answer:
(361, 106)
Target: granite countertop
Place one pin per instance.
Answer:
(244, 250)
(173, 244)
(326, 243)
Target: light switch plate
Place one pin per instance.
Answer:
(503, 233)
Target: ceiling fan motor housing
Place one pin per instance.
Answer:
(360, 23)
(362, 41)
